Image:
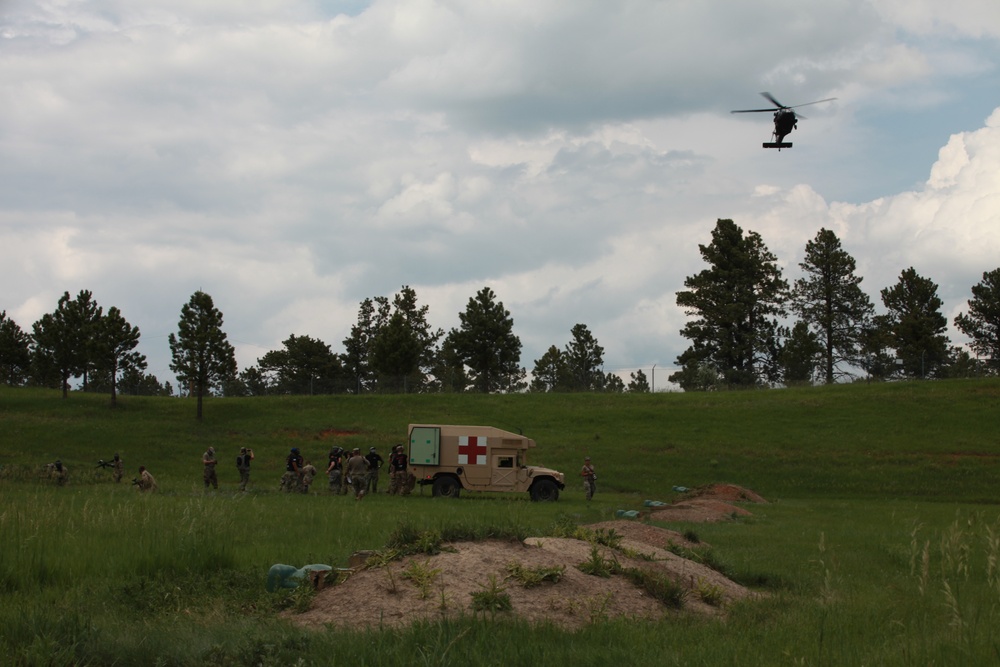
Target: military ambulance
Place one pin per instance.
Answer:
(478, 458)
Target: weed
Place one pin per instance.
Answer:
(422, 576)
(382, 558)
(393, 589)
(597, 607)
(599, 566)
(403, 538)
(661, 587)
(692, 536)
(708, 592)
(302, 598)
(637, 555)
(563, 526)
(492, 598)
(703, 555)
(608, 538)
(534, 576)
(443, 604)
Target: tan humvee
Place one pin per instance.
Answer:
(478, 458)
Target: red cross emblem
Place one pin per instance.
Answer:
(471, 450)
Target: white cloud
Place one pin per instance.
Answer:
(291, 160)
(973, 18)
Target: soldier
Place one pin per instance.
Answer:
(375, 462)
(335, 470)
(208, 461)
(397, 471)
(308, 472)
(59, 472)
(243, 466)
(117, 468)
(145, 481)
(293, 471)
(589, 478)
(357, 473)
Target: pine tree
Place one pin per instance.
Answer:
(62, 339)
(584, 359)
(550, 372)
(113, 349)
(638, 383)
(982, 323)
(830, 301)
(15, 352)
(486, 343)
(202, 355)
(916, 325)
(736, 303)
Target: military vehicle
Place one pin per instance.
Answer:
(478, 458)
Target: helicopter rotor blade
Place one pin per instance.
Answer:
(829, 99)
(752, 111)
(770, 98)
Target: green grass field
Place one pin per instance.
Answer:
(880, 545)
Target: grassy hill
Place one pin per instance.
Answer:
(899, 440)
(880, 545)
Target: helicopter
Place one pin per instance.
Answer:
(785, 120)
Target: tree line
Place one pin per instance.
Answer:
(740, 332)
(741, 336)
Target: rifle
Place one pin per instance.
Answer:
(101, 463)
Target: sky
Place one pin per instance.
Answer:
(292, 158)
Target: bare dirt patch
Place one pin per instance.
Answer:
(384, 597)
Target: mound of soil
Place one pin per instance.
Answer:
(708, 504)
(385, 597)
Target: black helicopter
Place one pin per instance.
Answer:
(785, 120)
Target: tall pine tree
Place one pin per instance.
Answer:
(830, 301)
(982, 323)
(486, 342)
(916, 325)
(735, 303)
(202, 355)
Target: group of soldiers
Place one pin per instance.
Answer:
(349, 471)
(144, 481)
(344, 470)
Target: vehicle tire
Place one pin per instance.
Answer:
(446, 487)
(545, 490)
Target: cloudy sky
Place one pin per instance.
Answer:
(293, 157)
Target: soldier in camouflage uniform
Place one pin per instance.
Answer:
(357, 472)
(397, 471)
(308, 472)
(243, 466)
(293, 471)
(208, 461)
(375, 462)
(117, 468)
(335, 471)
(145, 481)
(59, 472)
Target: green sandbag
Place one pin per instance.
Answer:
(288, 576)
(627, 514)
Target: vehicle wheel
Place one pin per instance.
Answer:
(446, 487)
(545, 490)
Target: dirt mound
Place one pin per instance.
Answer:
(708, 504)
(386, 597)
(725, 492)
